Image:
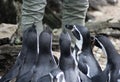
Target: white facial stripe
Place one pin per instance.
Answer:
(109, 77)
(58, 77)
(69, 37)
(78, 78)
(88, 68)
(74, 57)
(79, 42)
(51, 77)
(19, 54)
(78, 54)
(102, 47)
(37, 42)
(72, 29)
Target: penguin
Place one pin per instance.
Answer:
(45, 62)
(27, 68)
(16, 68)
(83, 51)
(67, 62)
(113, 57)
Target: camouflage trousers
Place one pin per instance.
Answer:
(73, 12)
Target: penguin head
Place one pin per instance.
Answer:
(99, 40)
(45, 40)
(65, 42)
(81, 32)
(112, 55)
(74, 30)
(30, 37)
(106, 45)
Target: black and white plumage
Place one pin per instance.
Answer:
(67, 62)
(113, 58)
(56, 75)
(26, 58)
(86, 60)
(46, 62)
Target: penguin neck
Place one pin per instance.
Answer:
(86, 47)
(109, 49)
(45, 51)
(66, 53)
(87, 50)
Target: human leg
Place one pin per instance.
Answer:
(32, 12)
(74, 12)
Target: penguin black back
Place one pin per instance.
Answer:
(46, 61)
(16, 69)
(66, 61)
(65, 42)
(65, 52)
(45, 41)
(112, 57)
(27, 68)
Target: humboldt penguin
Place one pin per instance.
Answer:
(46, 62)
(67, 62)
(20, 60)
(26, 70)
(113, 57)
(85, 57)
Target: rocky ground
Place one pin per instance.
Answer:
(108, 12)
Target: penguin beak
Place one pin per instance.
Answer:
(74, 30)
